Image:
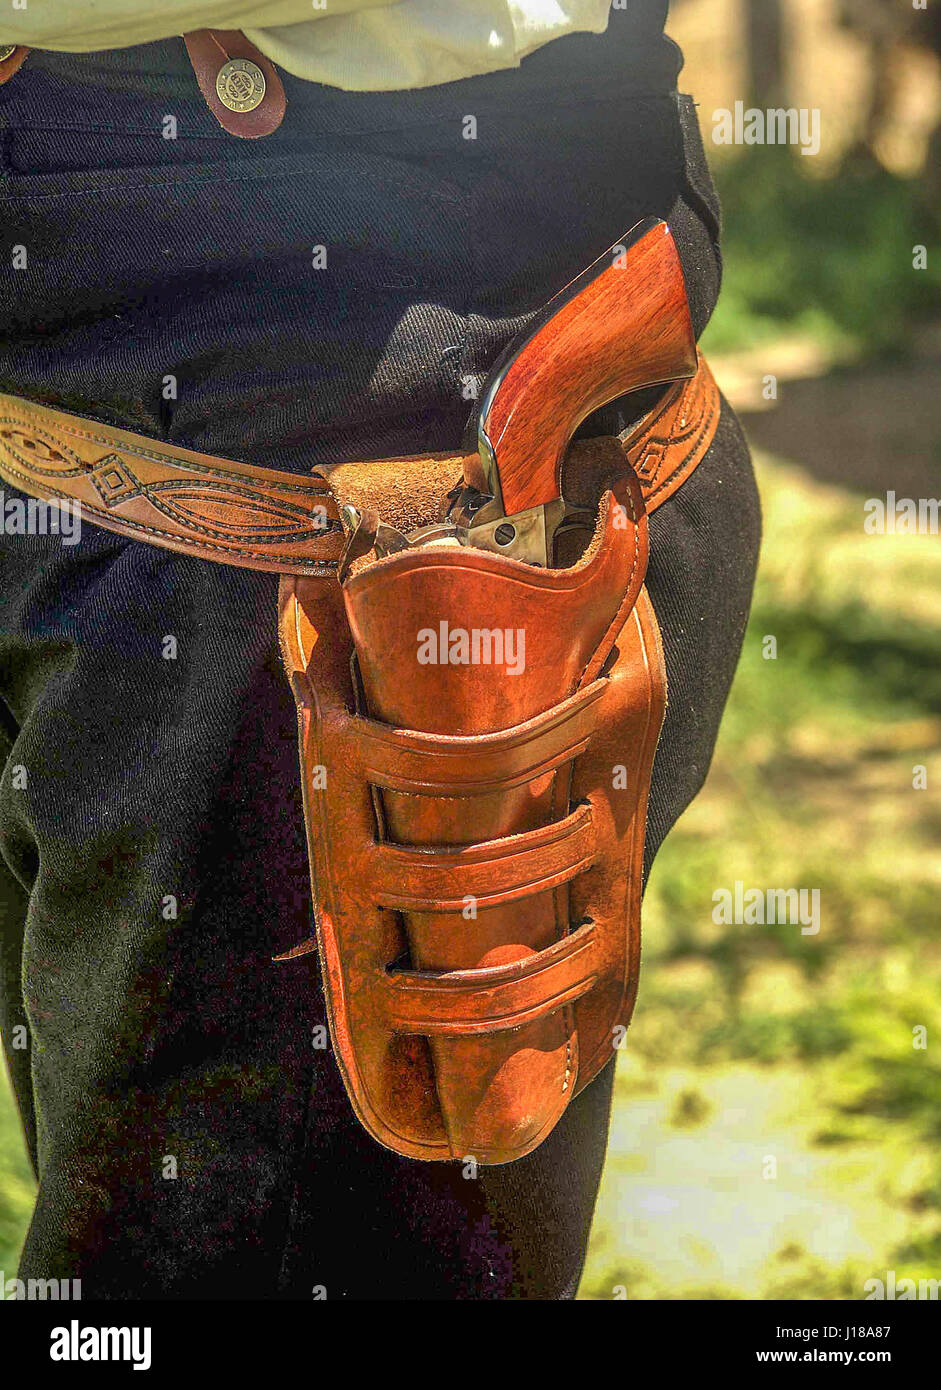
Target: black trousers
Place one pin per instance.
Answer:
(189, 1138)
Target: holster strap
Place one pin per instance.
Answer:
(488, 872)
(471, 1003)
(406, 760)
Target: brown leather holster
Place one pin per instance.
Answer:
(476, 741)
(477, 737)
(477, 830)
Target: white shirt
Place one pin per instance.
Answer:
(360, 45)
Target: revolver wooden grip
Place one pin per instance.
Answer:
(622, 324)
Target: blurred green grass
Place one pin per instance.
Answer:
(757, 1042)
(829, 258)
(17, 1188)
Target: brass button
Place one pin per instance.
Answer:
(6, 51)
(240, 85)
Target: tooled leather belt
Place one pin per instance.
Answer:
(265, 519)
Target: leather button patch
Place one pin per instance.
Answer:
(240, 85)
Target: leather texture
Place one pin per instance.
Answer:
(168, 496)
(476, 836)
(665, 447)
(209, 50)
(260, 518)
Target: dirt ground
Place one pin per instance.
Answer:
(865, 428)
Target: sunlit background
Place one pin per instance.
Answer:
(755, 1043)
(758, 1043)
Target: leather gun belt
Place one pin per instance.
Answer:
(264, 519)
(475, 816)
